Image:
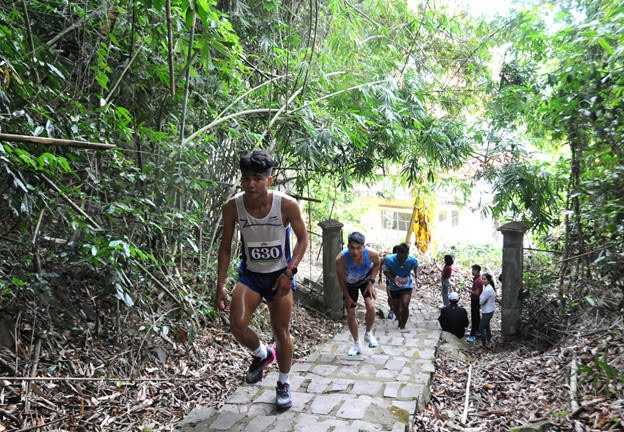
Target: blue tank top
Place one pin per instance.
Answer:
(357, 274)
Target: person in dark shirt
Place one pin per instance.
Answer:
(454, 318)
(475, 306)
(446, 273)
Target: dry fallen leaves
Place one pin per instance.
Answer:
(118, 381)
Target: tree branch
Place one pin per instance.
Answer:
(94, 224)
(56, 141)
(170, 47)
(123, 73)
(226, 118)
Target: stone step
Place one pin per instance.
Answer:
(379, 390)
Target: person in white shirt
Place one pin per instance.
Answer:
(487, 300)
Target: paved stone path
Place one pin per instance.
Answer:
(378, 390)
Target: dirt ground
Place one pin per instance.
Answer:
(76, 359)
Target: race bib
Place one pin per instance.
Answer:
(265, 252)
(401, 281)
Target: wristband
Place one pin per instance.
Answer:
(292, 270)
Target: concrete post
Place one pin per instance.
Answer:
(513, 262)
(332, 245)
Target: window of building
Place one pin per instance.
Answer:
(442, 217)
(455, 218)
(395, 220)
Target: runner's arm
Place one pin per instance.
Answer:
(340, 272)
(374, 257)
(291, 213)
(293, 216)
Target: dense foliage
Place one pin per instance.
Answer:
(339, 91)
(560, 167)
(180, 88)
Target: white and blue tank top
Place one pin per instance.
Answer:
(265, 241)
(357, 274)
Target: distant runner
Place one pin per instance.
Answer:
(357, 267)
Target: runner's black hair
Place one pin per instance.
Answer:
(257, 161)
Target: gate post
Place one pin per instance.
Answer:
(513, 263)
(332, 245)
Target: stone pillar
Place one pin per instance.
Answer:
(513, 236)
(332, 245)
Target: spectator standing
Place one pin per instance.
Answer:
(446, 271)
(487, 300)
(475, 309)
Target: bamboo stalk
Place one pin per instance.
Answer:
(464, 416)
(226, 118)
(72, 27)
(28, 28)
(123, 74)
(277, 115)
(226, 109)
(33, 372)
(37, 227)
(573, 389)
(187, 80)
(159, 283)
(35, 249)
(55, 141)
(336, 93)
(75, 206)
(170, 48)
(284, 107)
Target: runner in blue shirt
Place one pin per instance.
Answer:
(356, 268)
(398, 268)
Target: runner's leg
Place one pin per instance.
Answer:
(244, 303)
(280, 310)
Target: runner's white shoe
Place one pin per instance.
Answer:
(355, 349)
(372, 342)
(283, 399)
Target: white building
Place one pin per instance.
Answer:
(388, 211)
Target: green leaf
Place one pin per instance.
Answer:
(18, 282)
(605, 45)
(591, 301)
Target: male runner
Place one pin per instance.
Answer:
(357, 267)
(267, 269)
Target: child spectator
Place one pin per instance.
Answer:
(446, 271)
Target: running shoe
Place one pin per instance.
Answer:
(283, 399)
(254, 373)
(390, 315)
(355, 349)
(372, 342)
(470, 339)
